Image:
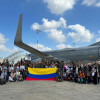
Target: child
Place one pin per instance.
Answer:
(81, 77)
(19, 76)
(59, 77)
(71, 76)
(64, 75)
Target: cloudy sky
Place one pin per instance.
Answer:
(63, 23)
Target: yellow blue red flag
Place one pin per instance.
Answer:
(41, 74)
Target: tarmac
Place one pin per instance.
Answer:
(49, 90)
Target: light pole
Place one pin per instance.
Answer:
(37, 37)
(74, 44)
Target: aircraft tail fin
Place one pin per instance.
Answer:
(18, 37)
(95, 44)
(18, 42)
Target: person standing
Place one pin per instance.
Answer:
(3, 76)
(22, 67)
(94, 74)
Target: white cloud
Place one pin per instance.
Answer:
(91, 3)
(80, 34)
(40, 47)
(68, 46)
(59, 6)
(51, 28)
(98, 4)
(49, 24)
(57, 35)
(54, 24)
(98, 40)
(99, 31)
(3, 47)
(62, 46)
(14, 50)
(36, 26)
(2, 39)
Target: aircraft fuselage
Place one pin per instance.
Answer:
(90, 53)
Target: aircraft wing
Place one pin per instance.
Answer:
(18, 42)
(95, 44)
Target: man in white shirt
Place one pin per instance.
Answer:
(22, 67)
(11, 68)
(66, 66)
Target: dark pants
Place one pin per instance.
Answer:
(2, 81)
(59, 78)
(94, 80)
(14, 79)
(76, 78)
(98, 80)
(88, 79)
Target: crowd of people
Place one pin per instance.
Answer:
(71, 71)
(12, 73)
(80, 73)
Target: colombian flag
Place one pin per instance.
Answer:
(42, 74)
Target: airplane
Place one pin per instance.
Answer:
(88, 53)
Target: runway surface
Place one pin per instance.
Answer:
(49, 90)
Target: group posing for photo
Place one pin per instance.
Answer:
(72, 71)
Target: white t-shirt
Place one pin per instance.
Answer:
(76, 70)
(11, 68)
(0, 67)
(46, 66)
(66, 67)
(17, 73)
(93, 73)
(5, 67)
(22, 67)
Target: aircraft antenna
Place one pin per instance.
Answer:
(37, 31)
(74, 44)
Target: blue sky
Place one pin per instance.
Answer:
(62, 23)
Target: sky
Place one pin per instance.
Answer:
(62, 24)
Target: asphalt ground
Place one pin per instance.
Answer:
(49, 90)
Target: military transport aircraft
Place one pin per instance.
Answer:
(91, 52)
